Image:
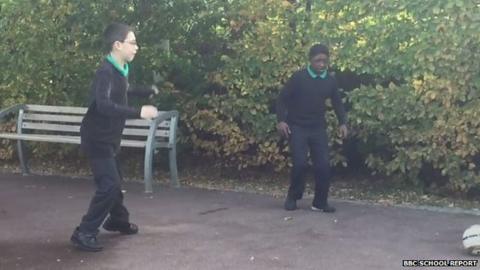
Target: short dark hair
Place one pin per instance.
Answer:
(318, 49)
(115, 32)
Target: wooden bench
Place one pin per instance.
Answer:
(61, 124)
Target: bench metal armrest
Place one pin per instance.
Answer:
(154, 125)
(12, 109)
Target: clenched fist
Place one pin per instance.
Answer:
(148, 112)
(283, 129)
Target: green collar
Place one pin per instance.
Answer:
(123, 70)
(314, 75)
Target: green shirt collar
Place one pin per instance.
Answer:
(314, 75)
(123, 70)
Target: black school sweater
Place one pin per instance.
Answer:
(105, 119)
(302, 100)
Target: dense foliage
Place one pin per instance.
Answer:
(227, 60)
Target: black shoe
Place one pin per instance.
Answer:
(327, 208)
(290, 204)
(85, 241)
(121, 227)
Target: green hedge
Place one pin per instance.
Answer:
(228, 60)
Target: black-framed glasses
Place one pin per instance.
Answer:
(131, 42)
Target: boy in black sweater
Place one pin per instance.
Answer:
(301, 119)
(101, 132)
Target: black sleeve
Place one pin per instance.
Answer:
(140, 91)
(102, 88)
(283, 98)
(338, 105)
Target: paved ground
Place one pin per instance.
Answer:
(199, 229)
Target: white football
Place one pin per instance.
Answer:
(471, 239)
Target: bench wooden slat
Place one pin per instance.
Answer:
(78, 119)
(132, 143)
(76, 129)
(51, 127)
(42, 138)
(145, 123)
(144, 132)
(56, 109)
(72, 139)
(53, 118)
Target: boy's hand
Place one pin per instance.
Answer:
(157, 78)
(155, 89)
(283, 129)
(148, 112)
(343, 131)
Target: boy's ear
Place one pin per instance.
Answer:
(116, 45)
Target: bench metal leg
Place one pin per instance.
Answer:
(148, 170)
(22, 157)
(172, 159)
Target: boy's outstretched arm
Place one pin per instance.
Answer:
(142, 91)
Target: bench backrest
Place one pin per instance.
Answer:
(66, 120)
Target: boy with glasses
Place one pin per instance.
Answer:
(101, 133)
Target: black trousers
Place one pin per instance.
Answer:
(108, 197)
(302, 141)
